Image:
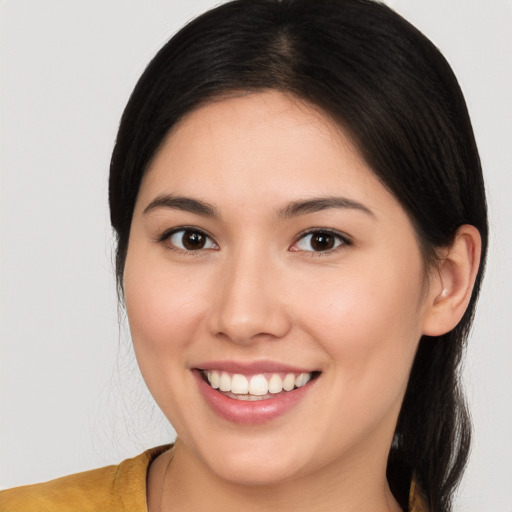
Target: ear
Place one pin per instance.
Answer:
(451, 286)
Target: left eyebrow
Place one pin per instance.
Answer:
(303, 207)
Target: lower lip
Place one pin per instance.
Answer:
(250, 413)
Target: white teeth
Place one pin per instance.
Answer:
(225, 382)
(289, 382)
(239, 384)
(257, 385)
(302, 379)
(214, 379)
(275, 384)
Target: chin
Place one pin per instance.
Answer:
(257, 465)
(255, 474)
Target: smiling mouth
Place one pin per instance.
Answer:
(261, 386)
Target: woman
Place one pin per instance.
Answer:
(301, 230)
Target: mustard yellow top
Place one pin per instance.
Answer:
(119, 488)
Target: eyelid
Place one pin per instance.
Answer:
(345, 239)
(167, 234)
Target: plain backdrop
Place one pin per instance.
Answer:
(71, 397)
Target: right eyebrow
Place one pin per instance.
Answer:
(186, 204)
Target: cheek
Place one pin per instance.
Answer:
(369, 322)
(369, 326)
(165, 307)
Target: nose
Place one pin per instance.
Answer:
(251, 302)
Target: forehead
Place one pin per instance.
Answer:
(270, 146)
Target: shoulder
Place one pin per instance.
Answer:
(113, 488)
(87, 491)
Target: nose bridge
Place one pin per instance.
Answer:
(250, 303)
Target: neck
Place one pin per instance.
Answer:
(180, 481)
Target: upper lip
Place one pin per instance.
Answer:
(251, 367)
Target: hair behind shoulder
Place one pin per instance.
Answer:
(394, 93)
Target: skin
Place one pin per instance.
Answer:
(258, 291)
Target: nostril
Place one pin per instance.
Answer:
(246, 328)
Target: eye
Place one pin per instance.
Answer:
(190, 240)
(319, 241)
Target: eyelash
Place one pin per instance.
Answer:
(167, 235)
(343, 239)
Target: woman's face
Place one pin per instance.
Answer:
(262, 247)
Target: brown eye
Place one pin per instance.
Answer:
(191, 240)
(322, 241)
(319, 241)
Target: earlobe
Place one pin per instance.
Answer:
(451, 286)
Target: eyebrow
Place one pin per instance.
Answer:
(186, 204)
(293, 209)
(303, 207)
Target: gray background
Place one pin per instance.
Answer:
(71, 397)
